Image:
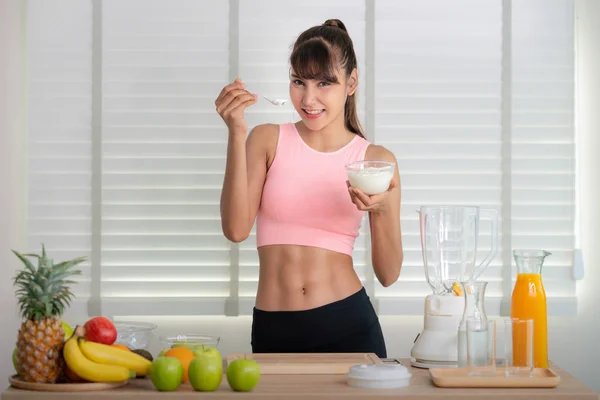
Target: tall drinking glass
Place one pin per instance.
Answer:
(518, 346)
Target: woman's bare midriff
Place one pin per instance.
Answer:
(296, 278)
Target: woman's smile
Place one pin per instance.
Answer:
(313, 113)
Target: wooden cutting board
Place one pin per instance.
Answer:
(307, 363)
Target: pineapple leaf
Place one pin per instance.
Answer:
(23, 278)
(66, 265)
(24, 274)
(60, 307)
(70, 263)
(67, 296)
(32, 255)
(25, 261)
(44, 291)
(37, 289)
(59, 277)
(65, 300)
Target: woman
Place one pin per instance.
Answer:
(292, 179)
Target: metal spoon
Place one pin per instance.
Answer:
(276, 102)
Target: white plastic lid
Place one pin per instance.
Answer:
(379, 372)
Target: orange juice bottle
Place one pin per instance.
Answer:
(529, 302)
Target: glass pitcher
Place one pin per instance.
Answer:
(529, 302)
(449, 237)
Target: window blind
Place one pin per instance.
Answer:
(441, 83)
(473, 96)
(59, 51)
(543, 147)
(438, 96)
(163, 157)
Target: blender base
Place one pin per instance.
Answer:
(437, 345)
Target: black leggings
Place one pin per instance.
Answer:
(349, 325)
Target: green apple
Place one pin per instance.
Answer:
(14, 359)
(67, 330)
(243, 374)
(205, 372)
(209, 351)
(166, 373)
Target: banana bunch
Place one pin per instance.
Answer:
(97, 362)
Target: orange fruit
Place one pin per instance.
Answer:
(185, 356)
(457, 289)
(120, 346)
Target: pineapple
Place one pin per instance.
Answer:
(42, 294)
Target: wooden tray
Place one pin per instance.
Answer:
(457, 377)
(307, 363)
(18, 383)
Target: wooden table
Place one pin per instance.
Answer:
(302, 387)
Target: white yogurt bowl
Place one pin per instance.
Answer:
(371, 177)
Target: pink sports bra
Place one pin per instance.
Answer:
(305, 199)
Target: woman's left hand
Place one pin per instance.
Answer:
(375, 203)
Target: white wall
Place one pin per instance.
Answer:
(573, 340)
(576, 345)
(12, 201)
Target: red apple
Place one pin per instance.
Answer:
(100, 330)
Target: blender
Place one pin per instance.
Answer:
(449, 236)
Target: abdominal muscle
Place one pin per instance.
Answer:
(294, 278)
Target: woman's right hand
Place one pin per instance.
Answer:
(231, 103)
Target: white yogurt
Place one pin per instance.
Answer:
(371, 180)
